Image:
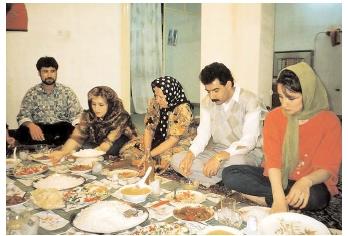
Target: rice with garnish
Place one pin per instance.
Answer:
(107, 217)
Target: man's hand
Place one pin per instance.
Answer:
(299, 193)
(186, 164)
(212, 166)
(35, 132)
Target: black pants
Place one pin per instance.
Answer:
(114, 149)
(250, 180)
(56, 133)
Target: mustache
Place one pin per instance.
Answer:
(215, 100)
(49, 78)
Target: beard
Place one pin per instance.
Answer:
(49, 81)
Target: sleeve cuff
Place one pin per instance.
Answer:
(23, 121)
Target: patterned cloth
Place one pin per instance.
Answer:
(175, 96)
(117, 121)
(39, 107)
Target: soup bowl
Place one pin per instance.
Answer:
(134, 193)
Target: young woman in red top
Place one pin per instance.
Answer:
(302, 148)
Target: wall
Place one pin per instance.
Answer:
(302, 27)
(89, 41)
(244, 44)
(182, 61)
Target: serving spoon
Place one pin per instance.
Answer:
(141, 182)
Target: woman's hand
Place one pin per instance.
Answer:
(299, 193)
(279, 205)
(56, 156)
(186, 164)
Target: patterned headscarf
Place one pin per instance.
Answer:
(116, 116)
(175, 96)
(314, 100)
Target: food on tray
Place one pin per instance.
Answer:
(117, 164)
(87, 194)
(31, 169)
(107, 217)
(48, 198)
(194, 213)
(80, 167)
(134, 190)
(43, 158)
(162, 228)
(59, 181)
(14, 200)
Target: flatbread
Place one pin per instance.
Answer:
(48, 198)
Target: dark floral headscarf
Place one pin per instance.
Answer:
(116, 116)
(175, 96)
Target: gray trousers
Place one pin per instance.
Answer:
(253, 158)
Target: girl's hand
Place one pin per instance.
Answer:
(299, 193)
(279, 205)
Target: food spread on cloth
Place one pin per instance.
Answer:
(48, 198)
(108, 217)
(87, 194)
(29, 170)
(59, 181)
(195, 212)
(162, 228)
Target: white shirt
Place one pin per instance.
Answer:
(250, 134)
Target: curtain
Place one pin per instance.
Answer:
(146, 51)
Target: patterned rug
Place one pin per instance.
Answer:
(331, 216)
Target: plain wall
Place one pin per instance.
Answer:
(182, 61)
(302, 26)
(89, 41)
(244, 44)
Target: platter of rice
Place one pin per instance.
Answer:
(59, 181)
(107, 217)
(88, 153)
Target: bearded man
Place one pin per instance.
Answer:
(49, 110)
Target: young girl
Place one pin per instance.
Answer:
(105, 126)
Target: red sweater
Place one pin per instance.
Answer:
(320, 145)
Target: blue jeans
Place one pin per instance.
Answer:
(250, 180)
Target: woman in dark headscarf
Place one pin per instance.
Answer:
(302, 146)
(105, 126)
(168, 125)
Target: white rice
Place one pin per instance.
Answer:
(107, 217)
(59, 182)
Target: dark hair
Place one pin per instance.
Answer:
(214, 71)
(46, 62)
(290, 81)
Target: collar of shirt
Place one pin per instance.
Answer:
(42, 90)
(234, 98)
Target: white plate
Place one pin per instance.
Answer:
(112, 175)
(258, 211)
(80, 171)
(193, 206)
(220, 230)
(186, 197)
(291, 223)
(107, 217)
(88, 153)
(41, 168)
